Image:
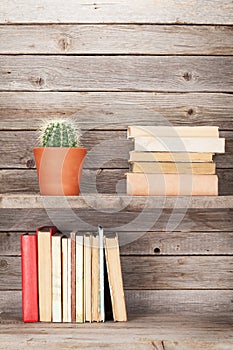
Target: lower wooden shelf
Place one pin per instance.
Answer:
(139, 333)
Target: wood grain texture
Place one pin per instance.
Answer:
(109, 11)
(68, 220)
(210, 306)
(116, 39)
(25, 110)
(106, 149)
(150, 272)
(116, 73)
(116, 202)
(93, 181)
(151, 243)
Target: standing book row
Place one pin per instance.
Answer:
(75, 278)
(172, 161)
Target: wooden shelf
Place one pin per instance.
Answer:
(139, 333)
(118, 202)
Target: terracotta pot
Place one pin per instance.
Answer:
(59, 170)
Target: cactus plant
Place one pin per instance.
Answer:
(60, 133)
(59, 160)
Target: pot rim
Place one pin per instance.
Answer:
(84, 148)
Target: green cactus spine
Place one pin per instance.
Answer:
(60, 133)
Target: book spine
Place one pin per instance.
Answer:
(30, 311)
(101, 274)
(140, 184)
(185, 144)
(64, 279)
(45, 275)
(79, 279)
(73, 276)
(56, 279)
(87, 277)
(69, 279)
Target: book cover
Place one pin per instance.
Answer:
(176, 144)
(140, 184)
(73, 276)
(101, 275)
(29, 266)
(173, 168)
(95, 278)
(173, 131)
(57, 278)
(170, 157)
(87, 277)
(69, 290)
(44, 242)
(115, 278)
(79, 279)
(65, 279)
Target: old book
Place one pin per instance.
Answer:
(57, 278)
(173, 131)
(141, 184)
(115, 278)
(87, 277)
(170, 157)
(175, 144)
(65, 279)
(73, 276)
(101, 275)
(95, 279)
(79, 279)
(69, 291)
(29, 265)
(172, 168)
(44, 235)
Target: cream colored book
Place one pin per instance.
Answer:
(56, 278)
(69, 304)
(115, 278)
(101, 274)
(172, 168)
(79, 279)
(176, 144)
(95, 279)
(65, 279)
(87, 277)
(140, 184)
(45, 275)
(173, 131)
(170, 157)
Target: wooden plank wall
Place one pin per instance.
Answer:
(110, 64)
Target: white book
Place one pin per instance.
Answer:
(69, 281)
(176, 144)
(56, 278)
(65, 279)
(79, 279)
(172, 131)
(101, 274)
(87, 277)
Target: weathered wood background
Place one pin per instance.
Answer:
(110, 64)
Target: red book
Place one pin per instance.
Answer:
(29, 278)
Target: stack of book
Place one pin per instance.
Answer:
(71, 279)
(173, 161)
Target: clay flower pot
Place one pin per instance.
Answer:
(59, 170)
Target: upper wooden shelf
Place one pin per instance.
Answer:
(108, 202)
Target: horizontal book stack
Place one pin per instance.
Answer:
(75, 278)
(173, 161)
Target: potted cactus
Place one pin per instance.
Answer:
(60, 160)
